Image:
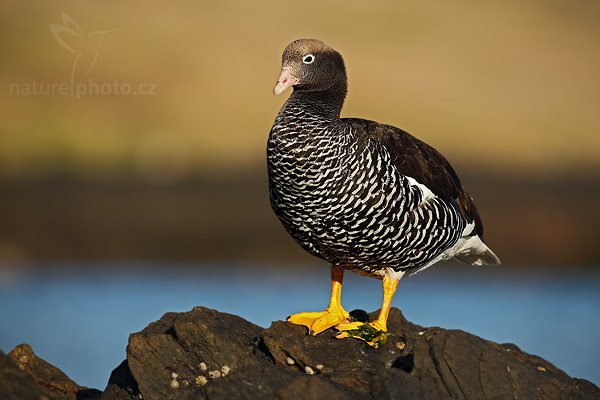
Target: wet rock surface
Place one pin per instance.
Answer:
(205, 354)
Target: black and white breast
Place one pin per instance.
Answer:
(362, 195)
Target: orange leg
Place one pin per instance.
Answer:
(389, 289)
(374, 333)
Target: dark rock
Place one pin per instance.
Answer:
(205, 354)
(164, 361)
(122, 385)
(167, 357)
(15, 383)
(26, 376)
(359, 315)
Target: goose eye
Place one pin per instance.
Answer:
(308, 59)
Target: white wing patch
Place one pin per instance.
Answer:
(468, 229)
(427, 193)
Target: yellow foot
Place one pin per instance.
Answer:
(317, 322)
(367, 332)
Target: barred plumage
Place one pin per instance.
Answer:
(340, 196)
(364, 196)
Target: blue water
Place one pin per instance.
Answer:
(80, 322)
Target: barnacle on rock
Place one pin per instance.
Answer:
(201, 380)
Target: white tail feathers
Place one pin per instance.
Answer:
(471, 250)
(486, 258)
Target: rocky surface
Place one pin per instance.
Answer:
(24, 376)
(205, 354)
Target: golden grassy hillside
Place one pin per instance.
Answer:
(511, 84)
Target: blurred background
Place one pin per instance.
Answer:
(132, 139)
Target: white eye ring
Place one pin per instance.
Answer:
(308, 59)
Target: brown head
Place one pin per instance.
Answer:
(311, 65)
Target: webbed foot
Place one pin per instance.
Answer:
(317, 322)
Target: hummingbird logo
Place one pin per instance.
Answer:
(85, 46)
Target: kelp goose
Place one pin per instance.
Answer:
(363, 196)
